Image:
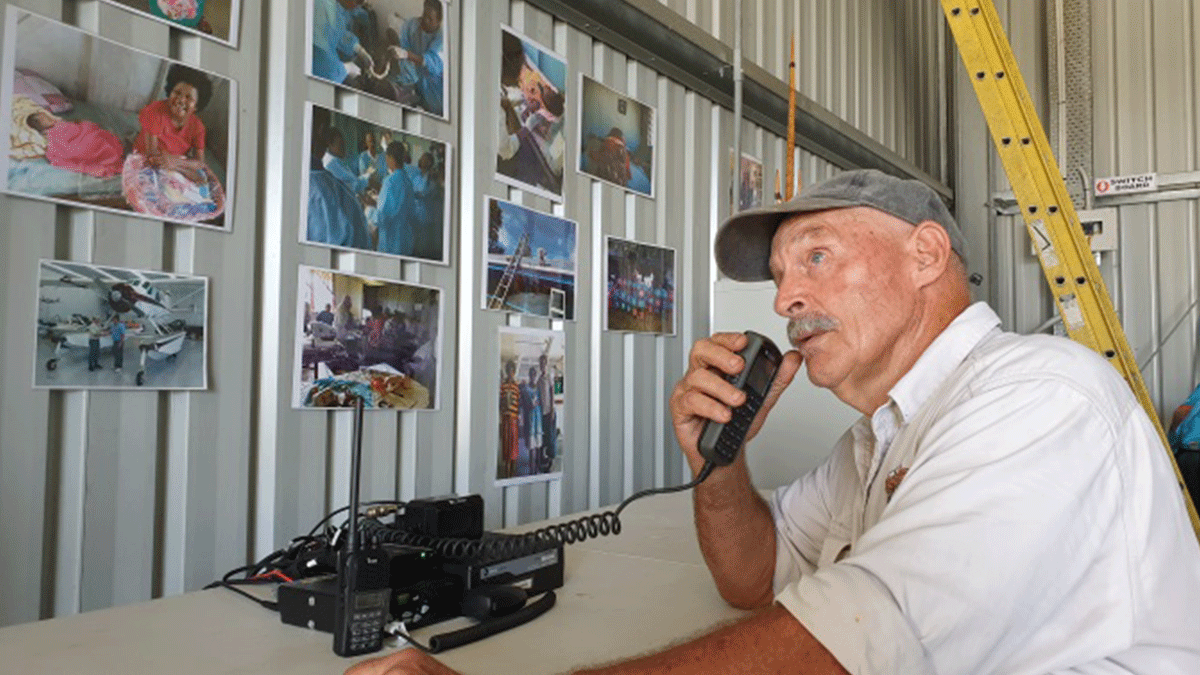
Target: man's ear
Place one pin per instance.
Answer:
(931, 249)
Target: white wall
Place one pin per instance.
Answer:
(807, 420)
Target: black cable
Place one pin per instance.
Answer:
(233, 586)
(506, 547)
(462, 636)
(708, 468)
(327, 518)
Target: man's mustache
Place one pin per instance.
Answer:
(808, 325)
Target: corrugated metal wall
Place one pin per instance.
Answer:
(1144, 119)
(114, 497)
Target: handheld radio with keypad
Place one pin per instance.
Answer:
(720, 442)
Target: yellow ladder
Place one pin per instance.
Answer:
(1049, 213)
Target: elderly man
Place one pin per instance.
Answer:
(1003, 506)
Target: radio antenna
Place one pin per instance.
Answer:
(355, 475)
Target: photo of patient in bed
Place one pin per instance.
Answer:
(83, 146)
(96, 124)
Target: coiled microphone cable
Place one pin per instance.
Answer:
(508, 546)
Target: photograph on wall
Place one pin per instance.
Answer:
(640, 297)
(750, 181)
(530, 265)
(213, 19)
(530, 400)
(533, 95)
(616, 138)
(373, 188)
(96, 124)
(101, 327)
(394, 50)
(361, 337)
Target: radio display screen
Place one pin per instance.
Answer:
(760, 376)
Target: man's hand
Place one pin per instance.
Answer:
(704, 394)
(405, 662)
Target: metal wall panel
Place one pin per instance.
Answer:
(1144, 117)
(113, 497)
(124, 496)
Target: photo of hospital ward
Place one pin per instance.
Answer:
(391, 49)
(97, 124)
(360, 337)
(375, 189)
(616, 138)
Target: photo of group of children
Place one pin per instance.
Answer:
(214, 19)
(531, 399)
(533, 97)
(616, 138)
(362, 337)
(97, 124)
(375, 189)
(641, 287)
(530, 265)
(390, 49)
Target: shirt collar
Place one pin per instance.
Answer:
(941, 357)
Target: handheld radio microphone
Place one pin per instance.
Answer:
(361, 608)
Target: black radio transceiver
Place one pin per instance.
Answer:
(364, 576)
(720, 442)
(362, 606)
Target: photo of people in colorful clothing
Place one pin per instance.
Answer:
(213, 19)
(640, 296)
(530, 400)
(391, 49)
(375, 189)
(616, 138)
(157, 140)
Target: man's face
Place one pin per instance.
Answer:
(843, 281)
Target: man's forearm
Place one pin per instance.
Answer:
(771, 641)
(737, 536)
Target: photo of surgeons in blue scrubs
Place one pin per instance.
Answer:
(390, 49)
(375, 189)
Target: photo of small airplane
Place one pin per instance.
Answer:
(151, 305)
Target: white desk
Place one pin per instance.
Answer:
(623, 595)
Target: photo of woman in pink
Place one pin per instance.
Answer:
(172, 137)
(166, 174)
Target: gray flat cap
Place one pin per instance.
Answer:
(743, 245)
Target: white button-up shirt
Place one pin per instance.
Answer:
(1032, 523)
